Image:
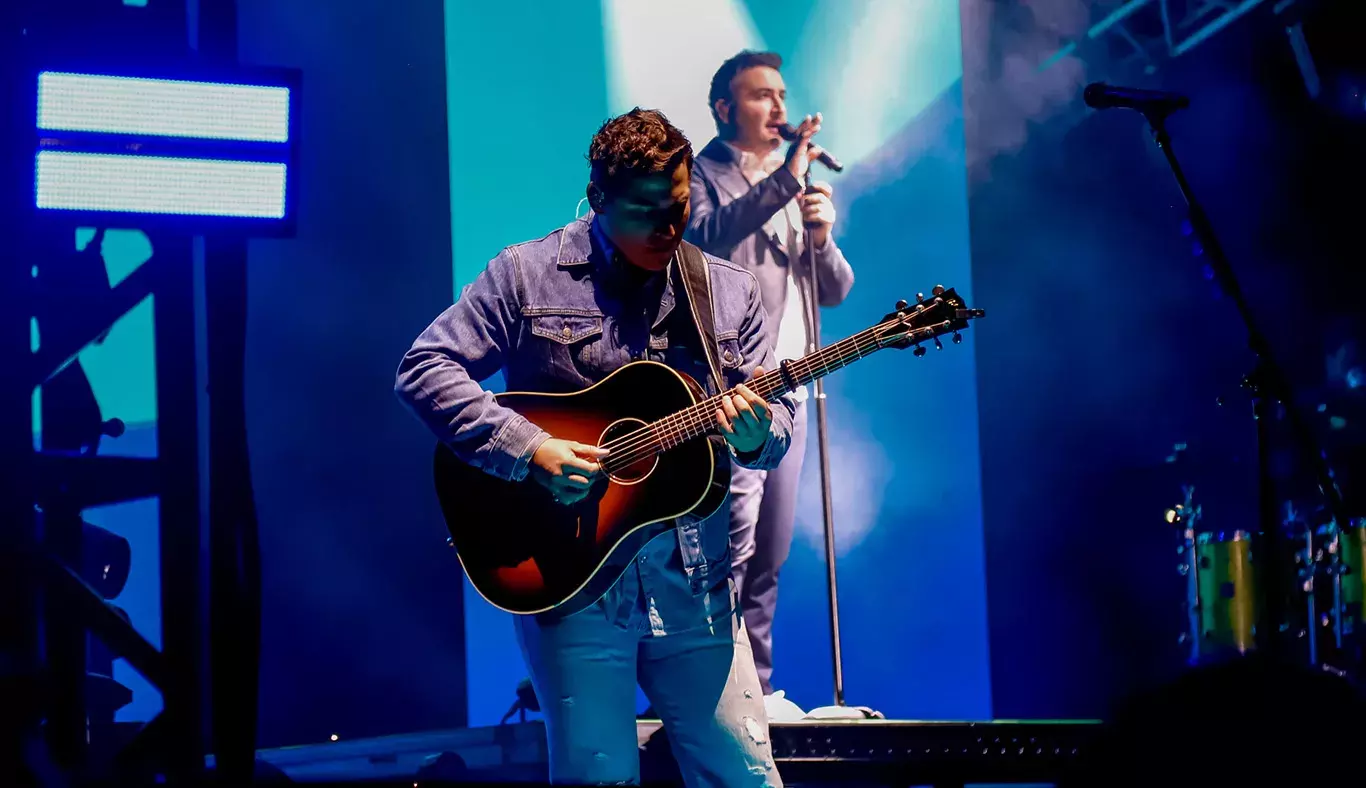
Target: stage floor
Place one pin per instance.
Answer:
(807, 751)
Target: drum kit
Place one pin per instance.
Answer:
(1324, 583)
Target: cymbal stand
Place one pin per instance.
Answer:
(1296, 528)
(1186, 515)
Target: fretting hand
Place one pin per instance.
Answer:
(744, 418)
(566, 468)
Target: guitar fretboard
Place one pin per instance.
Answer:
(700, 419)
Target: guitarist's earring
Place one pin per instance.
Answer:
(579, 207)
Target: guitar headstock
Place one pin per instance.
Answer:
(927, 319)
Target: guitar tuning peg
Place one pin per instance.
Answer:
(919, 297)
(957, 338)
(938, 290)
(919, 351)
(900, 305)
(937, 344)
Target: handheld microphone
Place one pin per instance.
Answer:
(1099, 95)
(789, 133)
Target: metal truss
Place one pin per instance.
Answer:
(68, 475)
(1141, 35)
(53, 603)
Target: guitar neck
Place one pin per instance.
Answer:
(700, 419)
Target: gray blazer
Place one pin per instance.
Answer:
(728, 217)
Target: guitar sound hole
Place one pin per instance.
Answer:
(631, 472)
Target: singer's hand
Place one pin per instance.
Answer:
(802, 152)
(818, 212)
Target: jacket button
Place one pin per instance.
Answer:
(728, 356)
(567, 332)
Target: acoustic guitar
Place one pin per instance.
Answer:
(526, 553)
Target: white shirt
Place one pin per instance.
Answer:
(787, 223)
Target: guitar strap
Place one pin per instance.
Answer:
(696, 276)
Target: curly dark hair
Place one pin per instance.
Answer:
(640, 142)
(720, 81)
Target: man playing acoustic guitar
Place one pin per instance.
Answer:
(560, 314)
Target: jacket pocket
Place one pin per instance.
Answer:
(570, 343)
(566, 329)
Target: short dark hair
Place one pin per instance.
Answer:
(640, 142)
(720, 81)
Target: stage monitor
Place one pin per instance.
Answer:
(206, 151)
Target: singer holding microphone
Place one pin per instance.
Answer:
(749, 206)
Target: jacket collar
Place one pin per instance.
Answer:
(576, 243)
(718, 151)
(583, 243)
(722, 167)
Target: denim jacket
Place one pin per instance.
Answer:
(560, 313)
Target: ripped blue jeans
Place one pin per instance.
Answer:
(701, 682)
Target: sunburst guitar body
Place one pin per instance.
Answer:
(525, 552)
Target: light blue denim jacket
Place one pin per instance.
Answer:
(558, 314)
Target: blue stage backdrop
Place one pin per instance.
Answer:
(903, 431)
(361, 628)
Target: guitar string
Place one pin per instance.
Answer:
(693, 416)
(677, 428)
(700, 416)
(680, 427)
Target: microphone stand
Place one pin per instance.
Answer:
(1268, 387)
(807, 282)
(813, 343)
